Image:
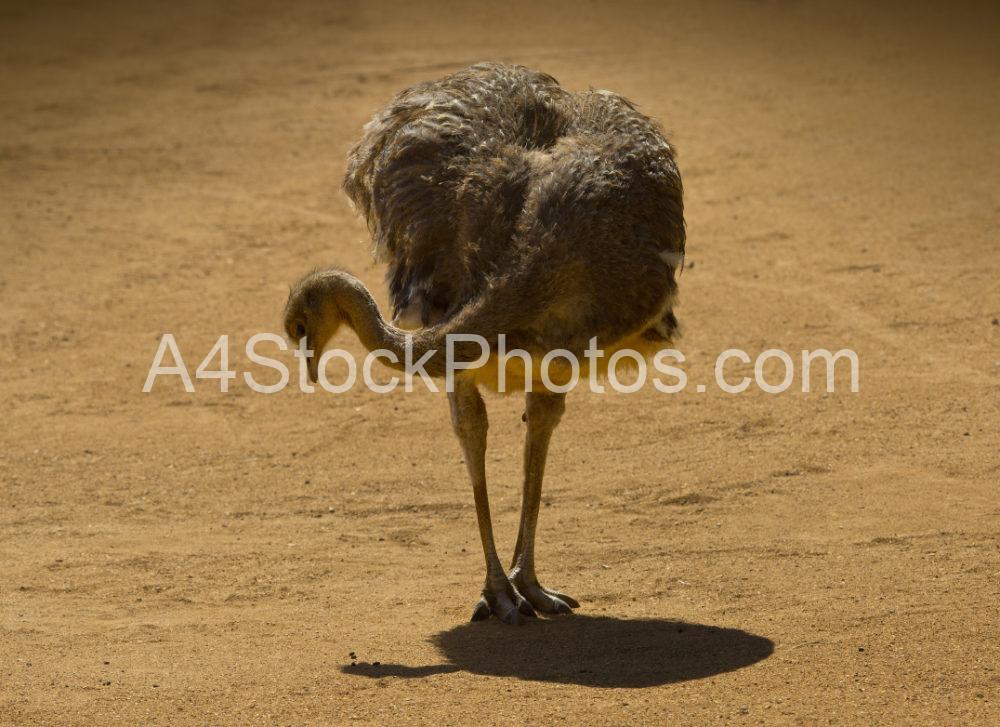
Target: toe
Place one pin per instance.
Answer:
(560, 606)
(503, 605)
(482, 611)
(545, 600)
(504, 601)
(568, 600)
(510, 616)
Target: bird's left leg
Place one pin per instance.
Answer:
(468, 415)
(543, 412)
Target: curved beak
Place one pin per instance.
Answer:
(312, 364)
(311, 357)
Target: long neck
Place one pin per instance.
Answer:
(361, 313)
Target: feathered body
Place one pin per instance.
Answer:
(560, 212)
(505, 205)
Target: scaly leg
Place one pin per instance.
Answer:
(468, 416)
(543, 413)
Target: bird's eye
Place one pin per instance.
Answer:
(300, 330)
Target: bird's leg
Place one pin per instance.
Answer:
(543, 412)
(468, 416)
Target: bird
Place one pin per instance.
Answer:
(504, 204)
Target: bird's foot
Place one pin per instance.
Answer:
(501, 599)
(543, 599)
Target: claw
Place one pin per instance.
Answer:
(526, 608)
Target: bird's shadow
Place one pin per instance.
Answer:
(592, 651)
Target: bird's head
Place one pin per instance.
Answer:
(311, 313)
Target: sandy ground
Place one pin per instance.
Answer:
(212, 558)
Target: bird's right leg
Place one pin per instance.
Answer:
(468, 417)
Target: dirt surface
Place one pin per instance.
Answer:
(215, 558)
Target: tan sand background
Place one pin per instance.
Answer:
(214, 558)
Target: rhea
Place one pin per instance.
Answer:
(504, 204)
